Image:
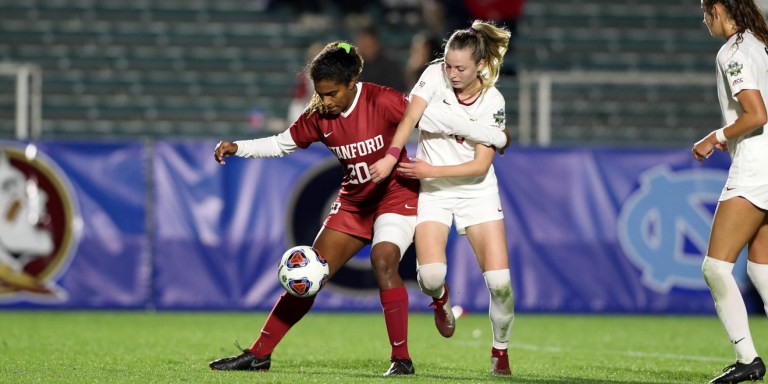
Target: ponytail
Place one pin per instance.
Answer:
(487, 42)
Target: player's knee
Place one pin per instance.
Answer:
(383, 266)
(715, 271)
(431, 277)
(501, 292)
(503, 298)
(385, 258)
(499, 284)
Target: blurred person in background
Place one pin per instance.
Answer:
(356, 121)
(458, 183)
(741, 217)
(425, 48)
(502, 12)
(444, 16)
(303, 90)
(379, 68)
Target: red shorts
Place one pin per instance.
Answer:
(357, 219)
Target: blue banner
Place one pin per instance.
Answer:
(610, 230)
(162, 225)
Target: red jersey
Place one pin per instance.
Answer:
(359, 137)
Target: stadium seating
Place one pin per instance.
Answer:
(631, 38)
(200, 67)
(154, 68)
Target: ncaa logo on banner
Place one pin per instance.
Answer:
(664, 226)
(40, 225)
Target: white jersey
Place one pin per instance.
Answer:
(440, 149)
(740, 66)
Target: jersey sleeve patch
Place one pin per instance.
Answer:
(500, 118)
(733, 68)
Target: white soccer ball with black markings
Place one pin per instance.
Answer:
(302, 271)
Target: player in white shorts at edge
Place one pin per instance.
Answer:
(458, 182)
(741, 216)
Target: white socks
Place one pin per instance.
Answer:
(502, 308)
(730, 306)
(431, 279)
(758, 273)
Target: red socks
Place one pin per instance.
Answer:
(394, 303)
(290, 309)
(287, 311)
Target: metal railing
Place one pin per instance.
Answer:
(544, 81)
(29, 84)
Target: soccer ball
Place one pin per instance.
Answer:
(302, 271)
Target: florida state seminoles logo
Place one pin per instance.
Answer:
(37, 225)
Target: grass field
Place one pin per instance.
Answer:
(175, 347)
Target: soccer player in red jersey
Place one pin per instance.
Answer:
(356, 121)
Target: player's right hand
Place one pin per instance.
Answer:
(224, 149)
(381, 169)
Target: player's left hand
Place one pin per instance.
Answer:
(381, 169)
(416, 169)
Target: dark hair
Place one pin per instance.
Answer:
(746, 14)
(338, 63)
(487, 42)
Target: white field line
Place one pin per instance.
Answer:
(553, 349)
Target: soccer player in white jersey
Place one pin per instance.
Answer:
(742, 211)
(457, 178)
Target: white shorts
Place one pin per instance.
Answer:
(756, 195)
(396, 229)
(464, 211)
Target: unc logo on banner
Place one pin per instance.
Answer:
(664, 226)
(39, 226)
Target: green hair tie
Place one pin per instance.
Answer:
(346, 46)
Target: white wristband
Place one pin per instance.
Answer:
(720, 136)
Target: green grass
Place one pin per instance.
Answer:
(139, 347)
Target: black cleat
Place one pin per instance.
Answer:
(736, 373)
(245, 361)
(400, 367)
